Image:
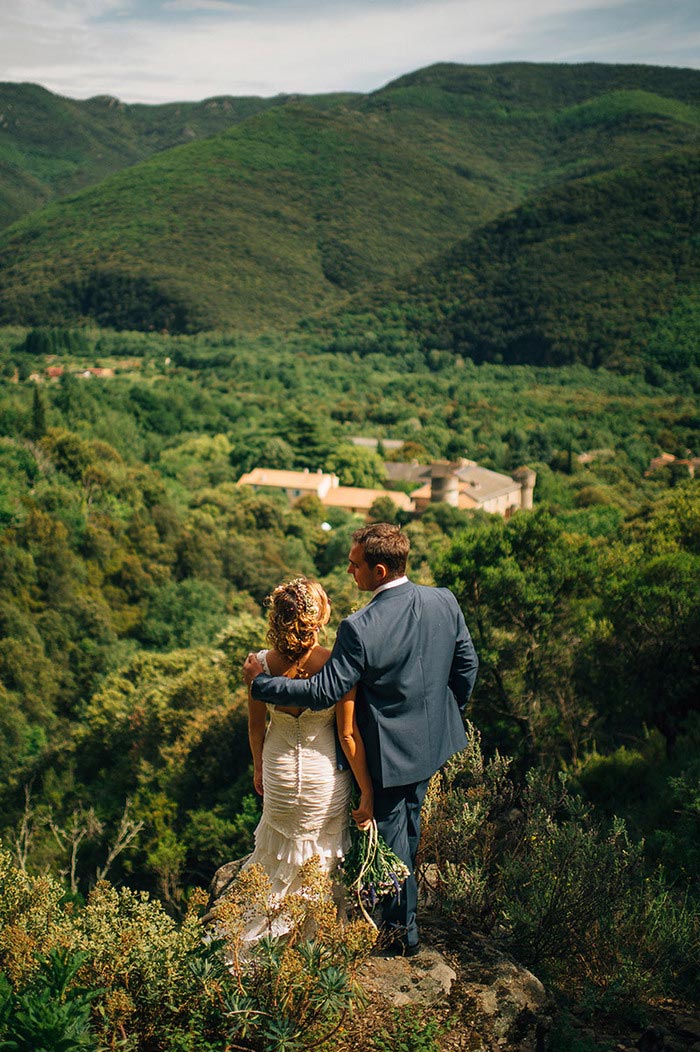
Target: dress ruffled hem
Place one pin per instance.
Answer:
(330, 845)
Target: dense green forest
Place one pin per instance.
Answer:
(51, 146)
(284, 210)
(133, 571)
(601, 270)
(497, 263)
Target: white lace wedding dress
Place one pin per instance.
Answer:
(306, 800)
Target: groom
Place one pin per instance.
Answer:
(411, 657)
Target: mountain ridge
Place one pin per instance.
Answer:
(295, 208)
(586, 271)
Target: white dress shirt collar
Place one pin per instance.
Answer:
(390, 584)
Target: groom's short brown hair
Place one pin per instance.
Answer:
(386, 544)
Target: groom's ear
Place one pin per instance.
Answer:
(381, 573)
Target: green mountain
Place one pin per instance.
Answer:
(292, 209)
(596, 270)
(51, 146)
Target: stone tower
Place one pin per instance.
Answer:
(527, 479)
(444, 484)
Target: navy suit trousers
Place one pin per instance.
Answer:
(397, 811)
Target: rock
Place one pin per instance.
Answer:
(652, 1040)
(496, 1004)
(512, 1008)
(688, 1026)
(220, 883)
(423, 979)
(502, 1006)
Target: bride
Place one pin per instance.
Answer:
(306, 797)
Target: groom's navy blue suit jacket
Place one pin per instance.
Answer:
(411, 657)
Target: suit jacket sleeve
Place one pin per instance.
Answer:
(465, 664)
(340, 673)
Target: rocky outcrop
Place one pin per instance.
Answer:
(510, 1007)
(424, 979)
(494, 1004)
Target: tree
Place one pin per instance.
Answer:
(356, 466)
(38, 428)
(522, 585)
(383, 509)
(310, 437)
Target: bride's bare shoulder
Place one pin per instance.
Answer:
(317, 659)
(277, 664)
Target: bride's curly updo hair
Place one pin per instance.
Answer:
(296, 612)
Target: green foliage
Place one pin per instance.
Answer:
(119, 972)
(51, 1013)
(53, 145)
(553, 282)
(308, 199)
(566, 893)
(356, 466)
(54, 341)
(410, 1030)
(523, 586)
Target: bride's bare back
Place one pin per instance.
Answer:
(307, 665)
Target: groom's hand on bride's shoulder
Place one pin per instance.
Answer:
(251, 668)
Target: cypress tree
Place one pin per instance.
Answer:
(38, 414)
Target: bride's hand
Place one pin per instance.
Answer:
(257, 782)
(364, 812)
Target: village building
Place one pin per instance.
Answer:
(295, 484)
(462, 485)
(98, 372)
(665, 460)
(359, 501)
(325, 486)
(465, 485)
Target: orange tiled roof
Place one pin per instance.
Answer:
(283, 479)
(356, 497)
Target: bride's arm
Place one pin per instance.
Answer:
(257, 718)
(354, 749)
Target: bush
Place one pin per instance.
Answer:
(50, 1013)
(121, 973)
(289, 993)
(566, 893)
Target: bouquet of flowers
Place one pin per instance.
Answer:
(371, 870)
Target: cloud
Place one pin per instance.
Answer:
(194, 6)
(161, 50)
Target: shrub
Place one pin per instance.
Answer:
(121, 973)
(289, 993)
(565, 892)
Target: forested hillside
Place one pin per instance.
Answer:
(603, 270)
(51, 146)
(286, 213)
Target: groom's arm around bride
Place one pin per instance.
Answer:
(410, 655)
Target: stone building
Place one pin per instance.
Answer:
(462, 484)
(465, 485)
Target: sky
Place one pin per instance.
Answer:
(167, 50)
